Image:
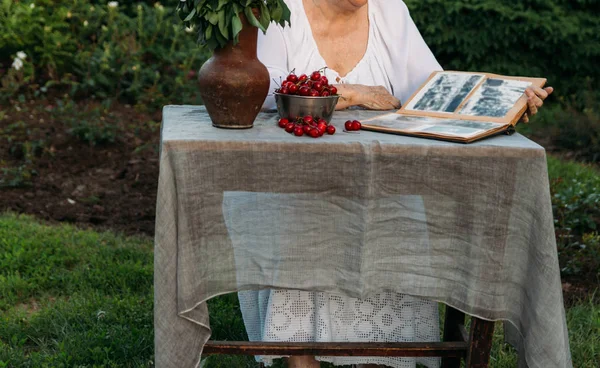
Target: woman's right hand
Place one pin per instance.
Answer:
(368, 97)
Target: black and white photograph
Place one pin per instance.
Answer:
(452, 130)
(426, 124)
(495, 98)
(484, 125)
(403, 122)
(445, 92)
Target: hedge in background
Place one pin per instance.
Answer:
(139, 52)
(556, 39)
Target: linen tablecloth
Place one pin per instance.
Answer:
(260, 208)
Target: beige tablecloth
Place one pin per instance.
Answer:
(260, 208)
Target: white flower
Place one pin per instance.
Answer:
(159, 6)
(189, 29)
(85, 23)
(113, 4)
(69, 15)
(32, 5)
(17, 64)
(21, 55)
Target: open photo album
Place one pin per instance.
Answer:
(460, 107)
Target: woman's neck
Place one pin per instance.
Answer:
(336, 10)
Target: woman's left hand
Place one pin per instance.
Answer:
(535, 100)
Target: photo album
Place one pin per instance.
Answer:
(459, 107)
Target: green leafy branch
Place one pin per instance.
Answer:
(218, 21)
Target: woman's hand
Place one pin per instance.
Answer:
(368, 97)
(535, 100)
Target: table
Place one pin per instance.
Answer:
(489, 251)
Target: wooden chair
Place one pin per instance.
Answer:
(474, 347)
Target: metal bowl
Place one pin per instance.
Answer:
(293, 106)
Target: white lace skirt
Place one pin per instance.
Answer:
(300, 316)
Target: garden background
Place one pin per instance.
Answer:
(82, 83)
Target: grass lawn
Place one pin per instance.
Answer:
(74, 298)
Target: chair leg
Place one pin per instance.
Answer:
(480, 343)
(454, 319)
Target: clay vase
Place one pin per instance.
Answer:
(234, 83)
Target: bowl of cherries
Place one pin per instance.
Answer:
(306, 95)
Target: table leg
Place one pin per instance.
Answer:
(480, 343)
(453, 323)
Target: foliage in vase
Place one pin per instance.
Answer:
(218, 21)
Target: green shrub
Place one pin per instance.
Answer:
(567, 129)
(92, 125)
(556, 39)
(575, 193)
(139, 54)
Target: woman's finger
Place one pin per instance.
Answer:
(529, 92)
(525, 118)
(539, 92)
(538, 102)
(549, 90)
(532, 107)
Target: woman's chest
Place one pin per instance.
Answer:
(342, 51)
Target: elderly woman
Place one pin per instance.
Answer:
(377, 57)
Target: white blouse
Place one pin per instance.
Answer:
(396, 56)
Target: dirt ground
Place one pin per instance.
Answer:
(112, 185)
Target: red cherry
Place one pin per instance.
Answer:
(325, 93)
(302, 78)
(315, 76)
(284, 91)
(333, 90)
(313, 93)
(348, 125)
(321, 126)
(290, 128)
(293, 89)
(331, 129)
(321, 120)
(292, 78)
(318, 86)
(298, 131)
(306, 128)
(313, 133)
(324, 80)
(283, 122)
(308, 119)
(304, 91)
(356, 125)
